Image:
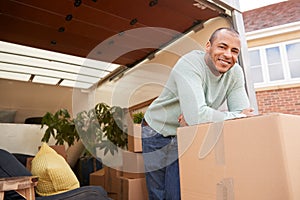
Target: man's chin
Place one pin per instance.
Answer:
(222, 70)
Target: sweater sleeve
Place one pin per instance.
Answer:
(189, 82)
(237, 99)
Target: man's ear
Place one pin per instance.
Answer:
(207, 46)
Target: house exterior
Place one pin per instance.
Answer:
(273, 38)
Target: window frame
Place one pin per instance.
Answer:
(284, 61)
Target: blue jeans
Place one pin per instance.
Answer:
(161, 165)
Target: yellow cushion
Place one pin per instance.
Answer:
(55, 174)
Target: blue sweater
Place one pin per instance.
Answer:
(192, 89)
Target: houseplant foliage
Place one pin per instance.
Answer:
(113, 124)
(138, 117)
(103, 127)
(88, 129)
(60, 126)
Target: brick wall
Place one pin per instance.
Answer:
(285, 100)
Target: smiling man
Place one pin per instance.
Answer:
(198, 85)
(222, 51)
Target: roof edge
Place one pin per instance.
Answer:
(275, 30)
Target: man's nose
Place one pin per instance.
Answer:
(228, 53)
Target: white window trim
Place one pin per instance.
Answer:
(286, 70)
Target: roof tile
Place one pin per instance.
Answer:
(272, 15)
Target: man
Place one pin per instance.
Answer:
(198, 85)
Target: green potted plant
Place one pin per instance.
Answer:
(113, 124)
(103, 127)
(62, 128)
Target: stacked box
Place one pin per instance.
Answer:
(133, 182)
(133, 189)
(109, 179)
(135, 138)
(133, 165)
(98, 177)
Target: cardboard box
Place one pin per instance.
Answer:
(113, 196)
(133, 189)
(108, 178)
(133, 165)
(98, 178)
(112, 181)
(243, 159)
(134, 135)
(135, 138)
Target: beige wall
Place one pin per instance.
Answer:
(33, 100)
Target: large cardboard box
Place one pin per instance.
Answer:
(243, 159)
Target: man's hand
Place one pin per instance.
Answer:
(248, 112)
(182, 121)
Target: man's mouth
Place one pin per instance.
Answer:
(224, 62)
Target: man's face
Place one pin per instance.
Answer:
(223, 52)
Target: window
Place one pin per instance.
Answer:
(275, 64)
(293, 55)
(256, 67)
